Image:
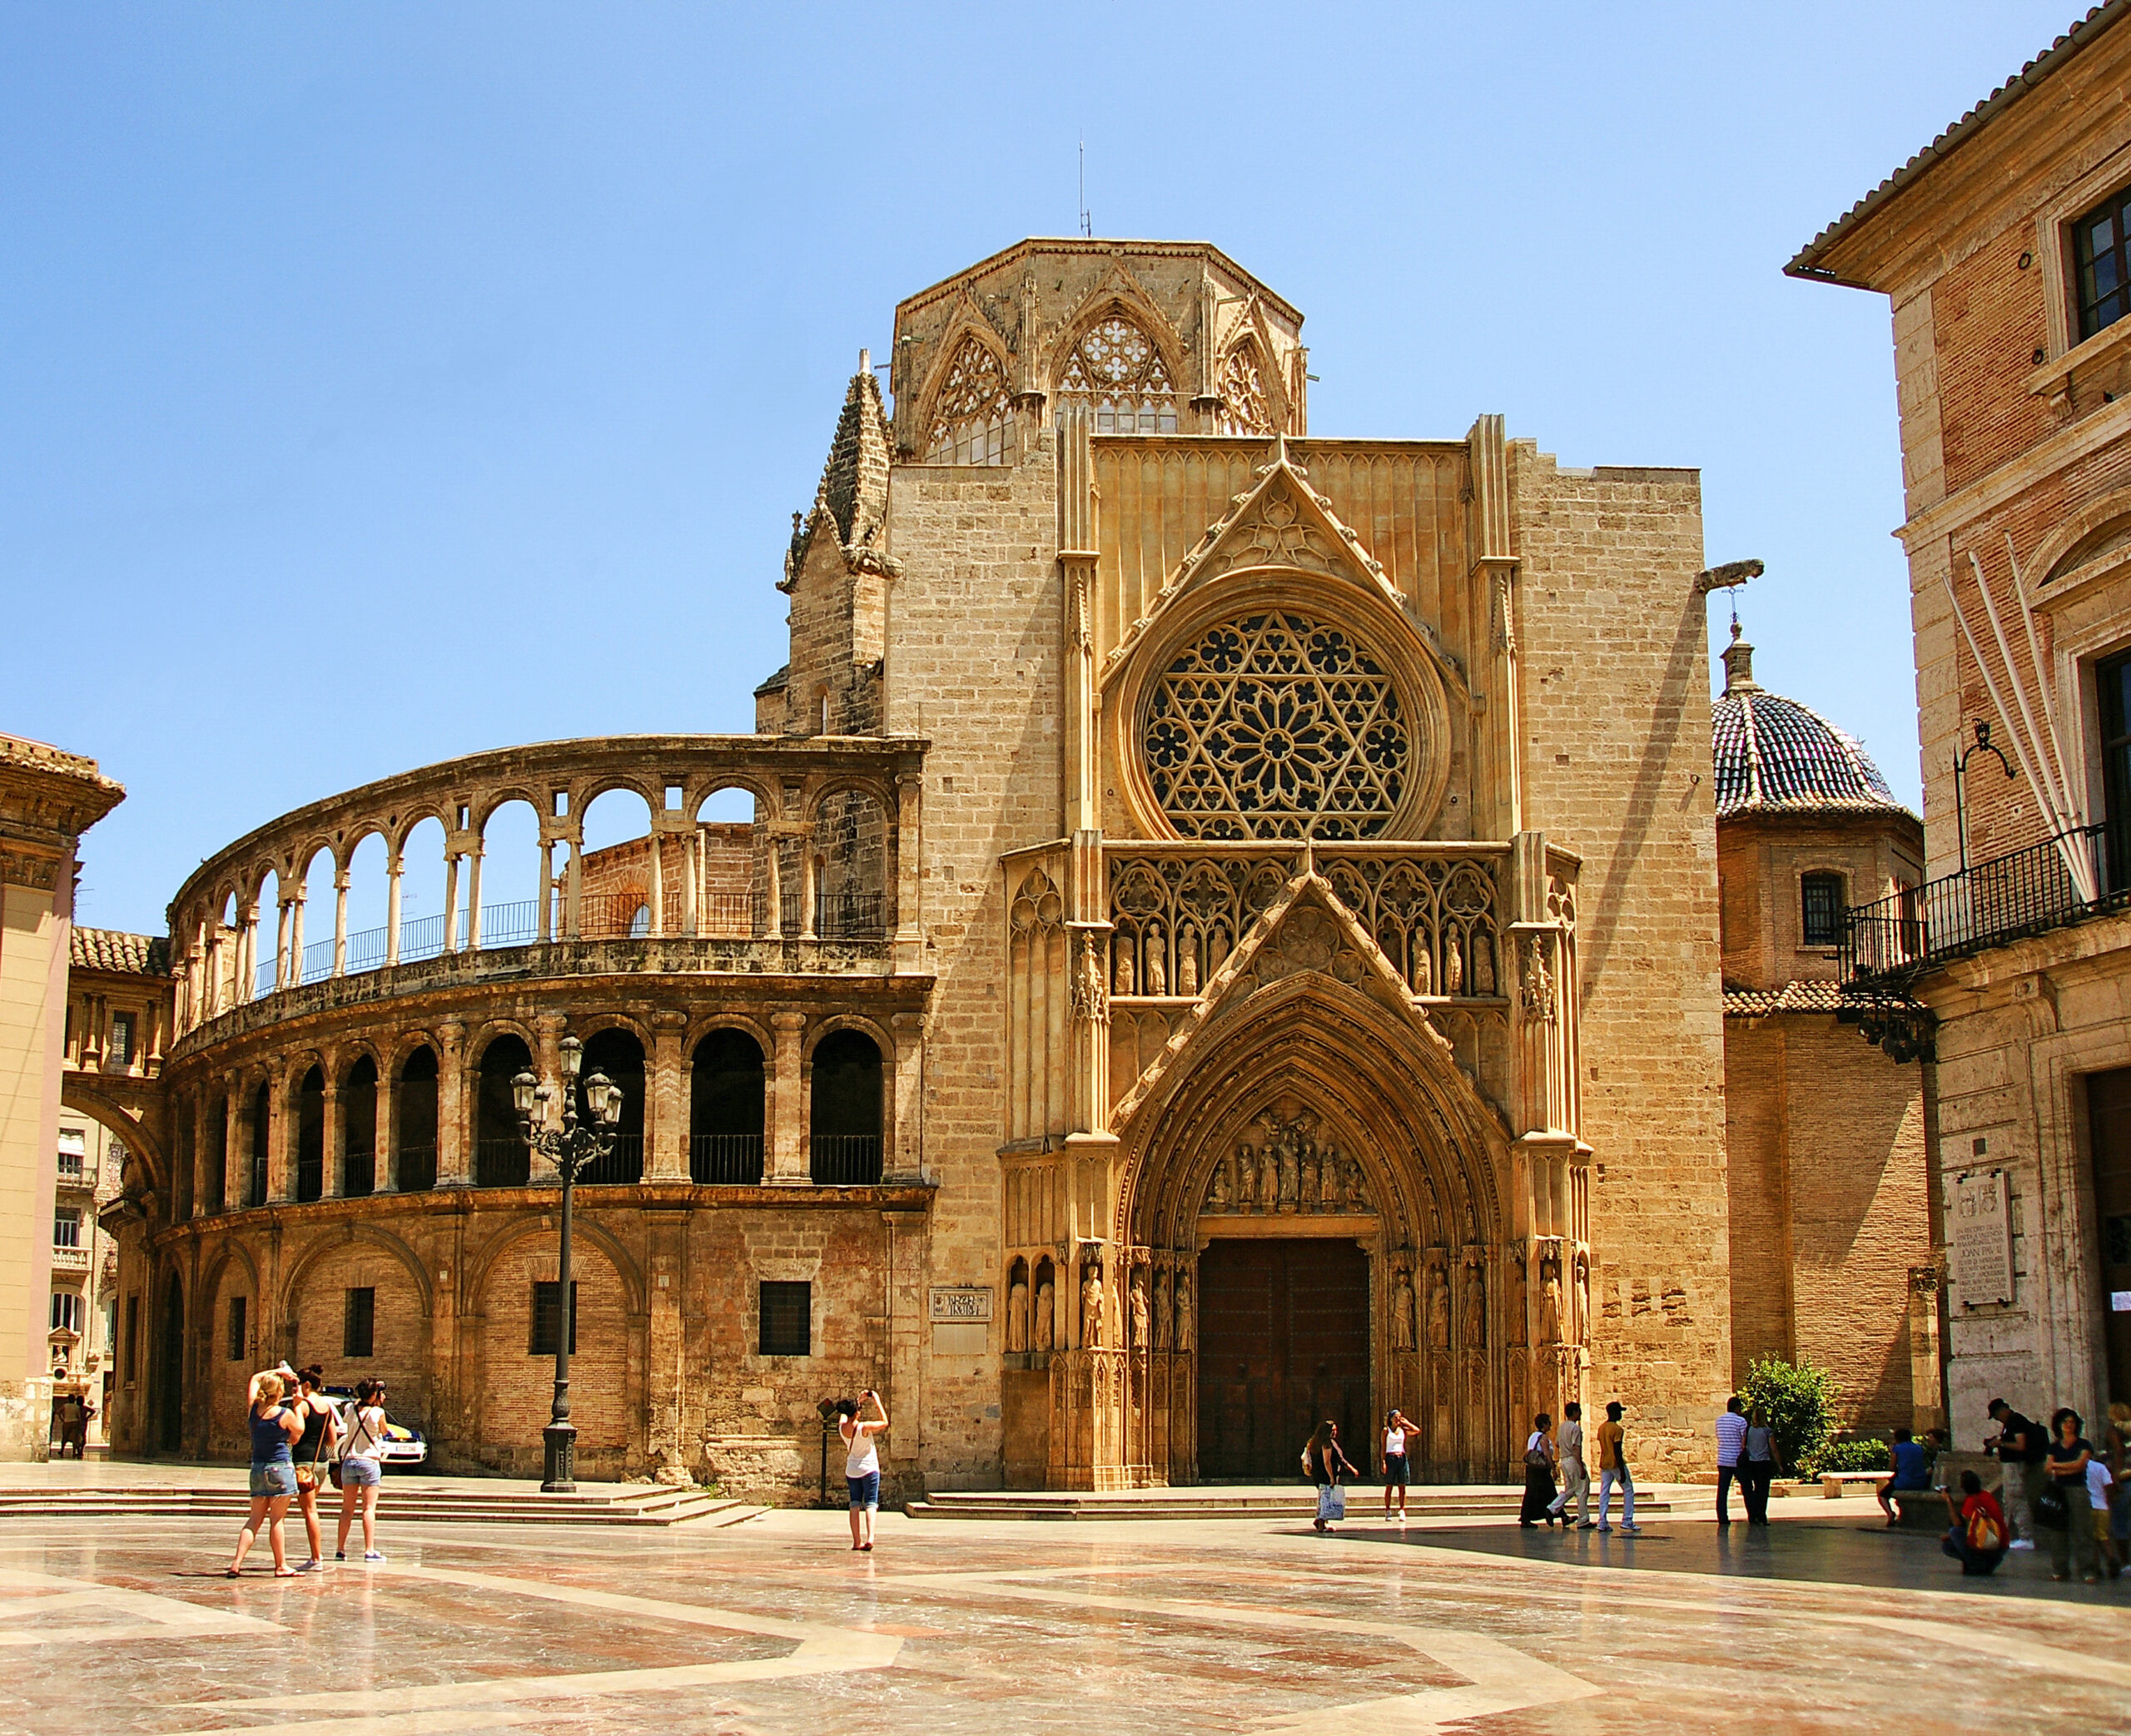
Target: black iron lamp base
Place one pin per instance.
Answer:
(561, 1471)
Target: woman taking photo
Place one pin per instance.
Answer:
(1321, 1462)
(273, 1475)
(1538, 1475)
(313, 1446)
(362, 1469)
(862, 1462)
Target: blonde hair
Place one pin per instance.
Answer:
(2119, 1413)
(266, 1386)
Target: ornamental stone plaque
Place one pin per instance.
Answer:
(961, 1302)
(1982, 1239)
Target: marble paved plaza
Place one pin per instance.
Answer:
(110, 1625)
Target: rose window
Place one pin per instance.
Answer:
(1276, 725)
(1117, 372)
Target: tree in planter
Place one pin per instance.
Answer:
(1799, 1401)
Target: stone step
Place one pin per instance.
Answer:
(660, 1506)
(1441, 1501)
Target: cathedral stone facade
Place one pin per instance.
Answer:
(1229, 936)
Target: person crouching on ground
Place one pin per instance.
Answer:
(861, 1461)
(362, 1471)
(1321, 1462)
(1977, 1538)
(1396, 1463)
(273, 1474)
(1912, 1473)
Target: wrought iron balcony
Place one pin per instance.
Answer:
(1893, 940)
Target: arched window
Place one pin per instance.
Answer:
(619, 1055)
(640, 922)
(358, 1128)
(415, 1107)
(846, 1113)
(725, 1109)
(310, 1135)
(218, 1155)
(973, 415)
(500, 1159)
(261, 1132)
(1116, 371)
(1245, 407)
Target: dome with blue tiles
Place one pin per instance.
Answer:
(1774, 756)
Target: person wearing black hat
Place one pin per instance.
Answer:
(2021, 1447)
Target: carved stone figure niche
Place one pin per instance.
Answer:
(1291, 1167)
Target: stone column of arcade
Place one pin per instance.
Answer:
(452, 1145)
(665, 1114)
(790, 1159)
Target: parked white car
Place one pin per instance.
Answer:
(404, 1445)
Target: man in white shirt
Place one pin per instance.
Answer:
(1730, 1441)
(1576, 1480)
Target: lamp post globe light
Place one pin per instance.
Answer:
(570, 1147)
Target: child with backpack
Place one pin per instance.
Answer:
(1978, 1537)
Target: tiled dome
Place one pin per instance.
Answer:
(1775, 756)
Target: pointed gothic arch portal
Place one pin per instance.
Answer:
(1310, 1218)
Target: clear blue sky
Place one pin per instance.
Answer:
(383, 384)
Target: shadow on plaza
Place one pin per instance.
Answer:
(1837, 1552)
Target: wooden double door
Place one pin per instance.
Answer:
(1284, 1345)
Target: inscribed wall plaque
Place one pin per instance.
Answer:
(961, 1301)
(1982, 1239)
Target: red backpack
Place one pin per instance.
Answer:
(1984, 1532)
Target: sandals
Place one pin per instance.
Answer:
(230, 1573)
(285, 1573)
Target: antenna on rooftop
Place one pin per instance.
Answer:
(1087, 223)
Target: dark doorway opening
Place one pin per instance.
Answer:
(170, 1370)
(1284, 1345)
(500, 1158)
(2108, 1127)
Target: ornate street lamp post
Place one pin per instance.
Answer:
(569, 1148)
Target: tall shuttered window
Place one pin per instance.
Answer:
(787, 1319)
(547, 1318)
(359, 1321)
(2102, 263)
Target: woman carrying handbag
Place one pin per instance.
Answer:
(1538, 1475)
(315, 1412)
(360, 1469)
(1321, 1462)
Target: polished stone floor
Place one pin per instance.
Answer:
(1822, 1623)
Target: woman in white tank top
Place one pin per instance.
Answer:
(862, 1463)
(1397, 1462)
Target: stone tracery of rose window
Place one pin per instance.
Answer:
(1246, 409)
(1277, 726)
(973, 415)
(1117, 371)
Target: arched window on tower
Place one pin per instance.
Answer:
(414, 1104)
(1245, 407)
(1118, 372)
(973, 415)
(500, 1158)
(310, 1136)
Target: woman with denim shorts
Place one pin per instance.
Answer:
(861, 1464)
(273, 1474)
(362, 1469)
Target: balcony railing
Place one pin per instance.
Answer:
(1896, 939)
(731, 1159)
(601, 916)
(847, 1160)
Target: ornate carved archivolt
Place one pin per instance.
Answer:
(972, 420)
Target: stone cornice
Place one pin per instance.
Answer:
(2013, 478)
(48, 798)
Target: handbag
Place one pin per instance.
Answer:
(1331, 1502)
(307, 1475)
(2051, 1508)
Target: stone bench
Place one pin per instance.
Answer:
(1835, 1484)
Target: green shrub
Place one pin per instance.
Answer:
(1799, 1402)
(1869, 1453)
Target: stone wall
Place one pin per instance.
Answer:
(974, 664)
(1617, 731)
